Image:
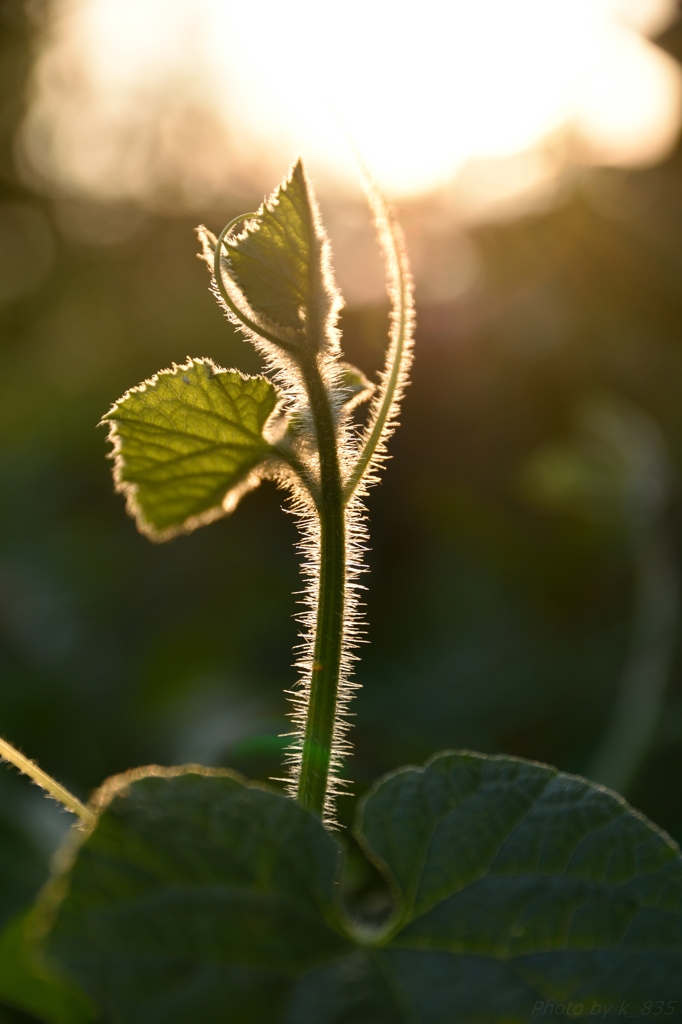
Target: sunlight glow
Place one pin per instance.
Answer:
(201, 98)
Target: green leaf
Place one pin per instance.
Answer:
(517, 889)
(517, 885)
(279, 261)
(27, 984)
(198, 897)
(189, 443)
(354, 385)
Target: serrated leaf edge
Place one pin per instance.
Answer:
(129, 490)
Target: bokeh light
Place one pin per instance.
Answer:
(174, 101)
(532, 150)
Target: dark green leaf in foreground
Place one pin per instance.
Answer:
(26, 983)
(517, 888)
(198, 898)
(276, 261)
(519, 885)
(188, 444)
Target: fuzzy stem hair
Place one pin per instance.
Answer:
(328, 644)
(383, 414)
(337, 545)
(329, 468)
(46, 782)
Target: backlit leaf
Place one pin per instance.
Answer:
(278, 260)
(188, 444)
(356, 388)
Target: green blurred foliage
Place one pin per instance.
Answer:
(494, 624)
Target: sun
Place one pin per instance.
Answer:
(130, 94)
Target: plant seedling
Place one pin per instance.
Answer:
(190, 894)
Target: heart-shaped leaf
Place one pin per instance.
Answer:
(519, 891)
(527, 885)
(188, 444)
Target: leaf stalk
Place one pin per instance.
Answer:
(46, 782)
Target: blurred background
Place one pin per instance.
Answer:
(525, 541)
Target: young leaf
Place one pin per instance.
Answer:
(26, 983)
(189, 443)
(197, 897)
(279, 262)
(355, 387)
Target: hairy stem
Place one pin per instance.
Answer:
(382, 419)
(327, 652)
(299, 468)
(50, 785)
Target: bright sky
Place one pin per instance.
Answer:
(199, 97)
